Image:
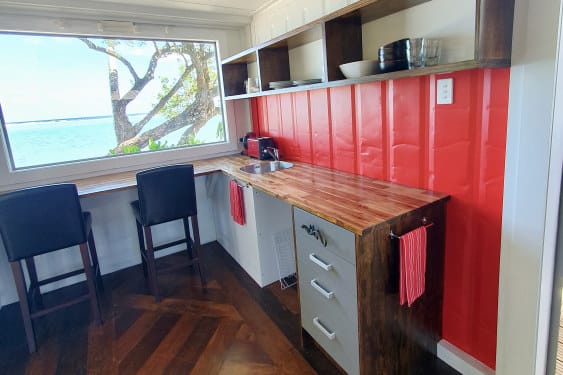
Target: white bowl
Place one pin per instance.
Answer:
(358, 69)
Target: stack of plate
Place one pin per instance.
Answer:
(307, 82)
(280, 84)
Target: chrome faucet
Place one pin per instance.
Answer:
(273, 152)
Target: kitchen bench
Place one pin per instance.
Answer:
(374, 334)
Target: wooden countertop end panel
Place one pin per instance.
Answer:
(351, 201)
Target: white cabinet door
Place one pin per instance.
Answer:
(261, 27)
(313, 10)
(294, 15)
(240, 241)
(252, 245)
(334, 5)
(277, 17)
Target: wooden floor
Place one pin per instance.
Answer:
(233, 327)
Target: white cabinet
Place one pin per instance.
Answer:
(294, 15)
(277, 16)
(284, 16)
(261, 27)
(312, 10)
(327, 287)
(334, 5)
(252, 245)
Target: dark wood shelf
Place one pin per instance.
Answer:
(437, 69)
(341, 35)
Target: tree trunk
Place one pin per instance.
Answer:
(122, 126)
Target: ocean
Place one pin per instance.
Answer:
(47, 142)
(56, 141)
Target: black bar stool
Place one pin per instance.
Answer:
(166, 194)
(41, 220)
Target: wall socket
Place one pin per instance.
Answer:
(445, 91)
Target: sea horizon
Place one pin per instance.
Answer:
(67, 119)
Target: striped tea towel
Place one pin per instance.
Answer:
(412, 248)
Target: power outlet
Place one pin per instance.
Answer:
(445, 91)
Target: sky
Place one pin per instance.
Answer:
(60, 77)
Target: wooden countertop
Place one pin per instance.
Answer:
(354, 202)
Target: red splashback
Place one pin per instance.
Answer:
(394, 131)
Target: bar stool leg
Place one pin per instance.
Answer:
(34, 289)
(189, 242)
(24, 305)
(94, 305)
(196, 248)
(142, 247)
(95, 263)
(151, 264)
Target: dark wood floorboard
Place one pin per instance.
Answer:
(232, 327)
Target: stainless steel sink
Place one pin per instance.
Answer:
(266, 167)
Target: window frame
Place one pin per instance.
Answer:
(11, 178)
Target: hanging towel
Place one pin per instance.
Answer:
(237, 203)
(412, 254)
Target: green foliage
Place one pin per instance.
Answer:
(220, 130)
(131, 149)
(192, 140)
(186, 94)
(128, 149)
(157, 145)
(181, 98)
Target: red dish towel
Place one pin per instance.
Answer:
(237, 203)
(412, 248)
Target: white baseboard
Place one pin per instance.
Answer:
(461, 361)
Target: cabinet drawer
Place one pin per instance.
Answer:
(338, 240)
(331, 271)
(322, 318)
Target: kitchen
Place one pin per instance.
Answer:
(468, 333)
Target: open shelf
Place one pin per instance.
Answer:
(236, 71)
(317, 49)
(437, 69)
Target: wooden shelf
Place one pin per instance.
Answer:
(340, 37)
(438, 69)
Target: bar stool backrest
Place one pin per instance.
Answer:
(41, 219)
(166, 193)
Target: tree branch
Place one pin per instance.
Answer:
(111, 53)
(162, 102)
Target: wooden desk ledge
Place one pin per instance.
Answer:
(351, 201)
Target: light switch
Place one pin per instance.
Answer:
(445, 91)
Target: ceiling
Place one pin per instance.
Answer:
(223, 13)
(238, 7)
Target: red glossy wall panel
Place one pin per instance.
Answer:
(370, 135)
(394, 131)
(287, 126)
(303, 133)
(321, 130)
(405, 108)
(343, 129)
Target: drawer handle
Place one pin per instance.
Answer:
(327, 294)
(320, 263)
(323, 329)
(315, 232)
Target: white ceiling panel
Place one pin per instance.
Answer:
(226, 13)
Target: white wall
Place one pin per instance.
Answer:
(532, 185)
(116, 240)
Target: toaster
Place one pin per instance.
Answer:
(256, 147)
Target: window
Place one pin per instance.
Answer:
(68, 98)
